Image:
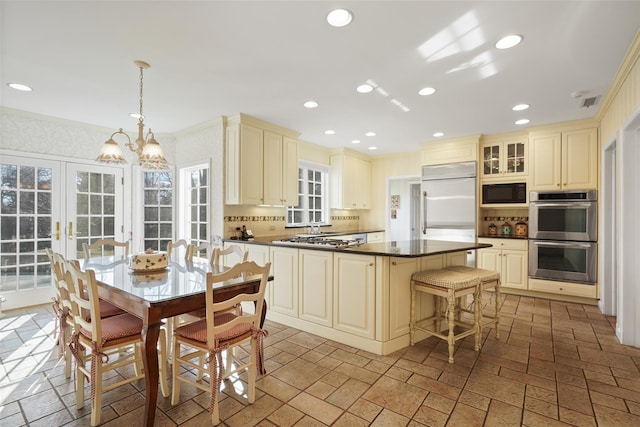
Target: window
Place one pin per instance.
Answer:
(198, 202)
(158, 210)
(312, 196)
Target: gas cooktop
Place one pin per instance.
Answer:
(317, 241)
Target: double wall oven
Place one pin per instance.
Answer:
(563, 229)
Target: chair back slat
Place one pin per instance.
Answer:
(223, 256)
(177, 244)
(85, 300)
(101, 243)
(243, 269)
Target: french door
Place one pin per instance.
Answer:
(45, 203)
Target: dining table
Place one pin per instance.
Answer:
(156, 295)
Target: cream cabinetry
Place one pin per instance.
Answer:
(350, 179)
(354, 284)
(280, 170)
(504, 159)
(509, 257)
(564, 160)
(261, 162)
(450, 151)
(564, 288)
(400, 271)
(316, 287)
(284, 289)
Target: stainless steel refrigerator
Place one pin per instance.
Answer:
(449, 203)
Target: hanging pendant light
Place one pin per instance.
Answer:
(150, 155)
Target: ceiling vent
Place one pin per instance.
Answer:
(589, 101)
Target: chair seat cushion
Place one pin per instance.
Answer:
(117, 327)
(197, 331)
(107, 309)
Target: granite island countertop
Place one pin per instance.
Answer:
(400, 248)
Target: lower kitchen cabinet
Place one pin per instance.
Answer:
(284, 288)
(564, 288)
(316, 286)
(509, 257)
(354, 282)
(400, 271)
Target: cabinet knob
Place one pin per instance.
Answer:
(394, 263)
(562, 289)
(370, 264)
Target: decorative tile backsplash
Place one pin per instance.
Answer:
(275, 225)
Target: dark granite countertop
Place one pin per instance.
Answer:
(401, 248)
(503, 236)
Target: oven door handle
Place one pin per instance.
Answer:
(563, 205)
(563, 244)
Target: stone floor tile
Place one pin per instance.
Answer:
(365, 409)
(606, 416)
(431, 385)
(184, 411)
(389, 418)
(429, 417)
(397, 396)
(467, 416)
(300, 373)
(285, 416)
(576, 418)
(357, 373)
(496, 387)
(541, 407)
(475, 400)
(439, 403)
(316, 408)
(347, 393)
(320, 390)
(533, 419)
(502, 415)
(350, 420)
(575, 398)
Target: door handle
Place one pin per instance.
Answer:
(70, 230)
(57, 230)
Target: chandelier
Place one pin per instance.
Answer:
(150, 155)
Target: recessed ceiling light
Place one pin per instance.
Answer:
(329, 132)
(20, 87)
(373, 148)
(311, 104)
(364, 88)
(520, 107)
(508, 41)
(522, 121)
(438, 134)
(370, 134)
(339, 17)
(355, 141)
(426, 91)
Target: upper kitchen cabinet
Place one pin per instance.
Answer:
(280, 170)
(450, 151)
(564, 160)
(503, 159)
(261, 161)
(350, 178)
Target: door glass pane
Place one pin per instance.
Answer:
(25, 225)
(95, 210)
(197, 190)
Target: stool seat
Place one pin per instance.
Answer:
(453, 283)
(445, 278)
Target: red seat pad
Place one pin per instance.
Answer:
(197, 331)
(117, 327)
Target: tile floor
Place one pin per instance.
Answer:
(555, 364)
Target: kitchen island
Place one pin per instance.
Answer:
(359, 295)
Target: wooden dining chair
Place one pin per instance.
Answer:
(107, 343)
(195, 250)
(61, 308)
(100, 244)
(222, 330)
(177, 244)
(223, 256)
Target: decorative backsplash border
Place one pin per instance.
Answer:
(506, 218)
(345, 218)
(260, 218)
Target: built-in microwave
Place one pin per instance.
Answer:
(504, 193)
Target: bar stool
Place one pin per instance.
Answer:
(450, 285)
(488, 279)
